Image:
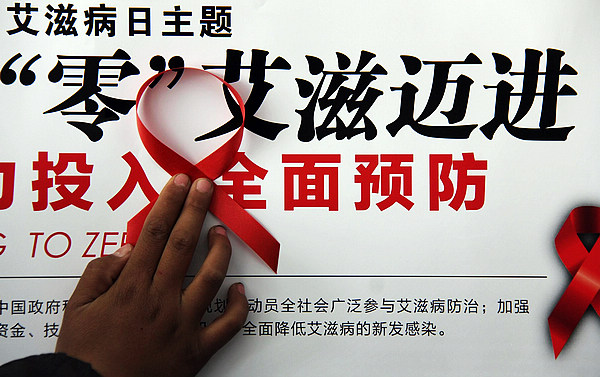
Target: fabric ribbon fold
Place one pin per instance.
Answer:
(584, 266)
(213, 166)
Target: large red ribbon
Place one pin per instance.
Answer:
(583, 290)
(213, 166)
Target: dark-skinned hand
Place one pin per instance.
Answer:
(130, 316)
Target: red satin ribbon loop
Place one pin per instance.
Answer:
(583, 290)
(213, 166)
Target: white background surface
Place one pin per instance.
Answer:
(530, 186)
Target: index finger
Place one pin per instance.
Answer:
(182, 242)
(157, 229)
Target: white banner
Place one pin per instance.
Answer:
(414, 159)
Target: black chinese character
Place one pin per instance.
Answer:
(91, 82)
(344, 96)
(22, 25)
(99, 19)
(64, 20)
(260, 88)
(441, 72)
(216, 21)
(144, 21)
(527, 96)
(177, 22)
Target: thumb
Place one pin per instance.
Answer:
(99, 275)
(222, 329)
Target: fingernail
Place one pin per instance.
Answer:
(220, 230)
(181, 180)
(204, 185)
(240, 287)
(123, 251)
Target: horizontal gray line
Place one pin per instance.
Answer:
(424, 276)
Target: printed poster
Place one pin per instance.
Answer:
(415, 161)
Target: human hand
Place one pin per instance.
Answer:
(129, 316)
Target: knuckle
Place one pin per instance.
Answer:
(125, 294)
(199, 205)
(157, 228)
(212, 277)
(153, 311)
(182, 241)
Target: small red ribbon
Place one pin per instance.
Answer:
(213, 166)
(584, 266)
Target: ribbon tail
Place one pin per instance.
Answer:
(246, 227)
(559, 334)
(135, 225)
(574, 302)
(596, 304)
(566, 314)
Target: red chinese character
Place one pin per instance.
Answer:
(463, 180)
(309, 185)
(136, 176)
(68, 197)
(239, 189)
(395, 180)
(7, 169)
